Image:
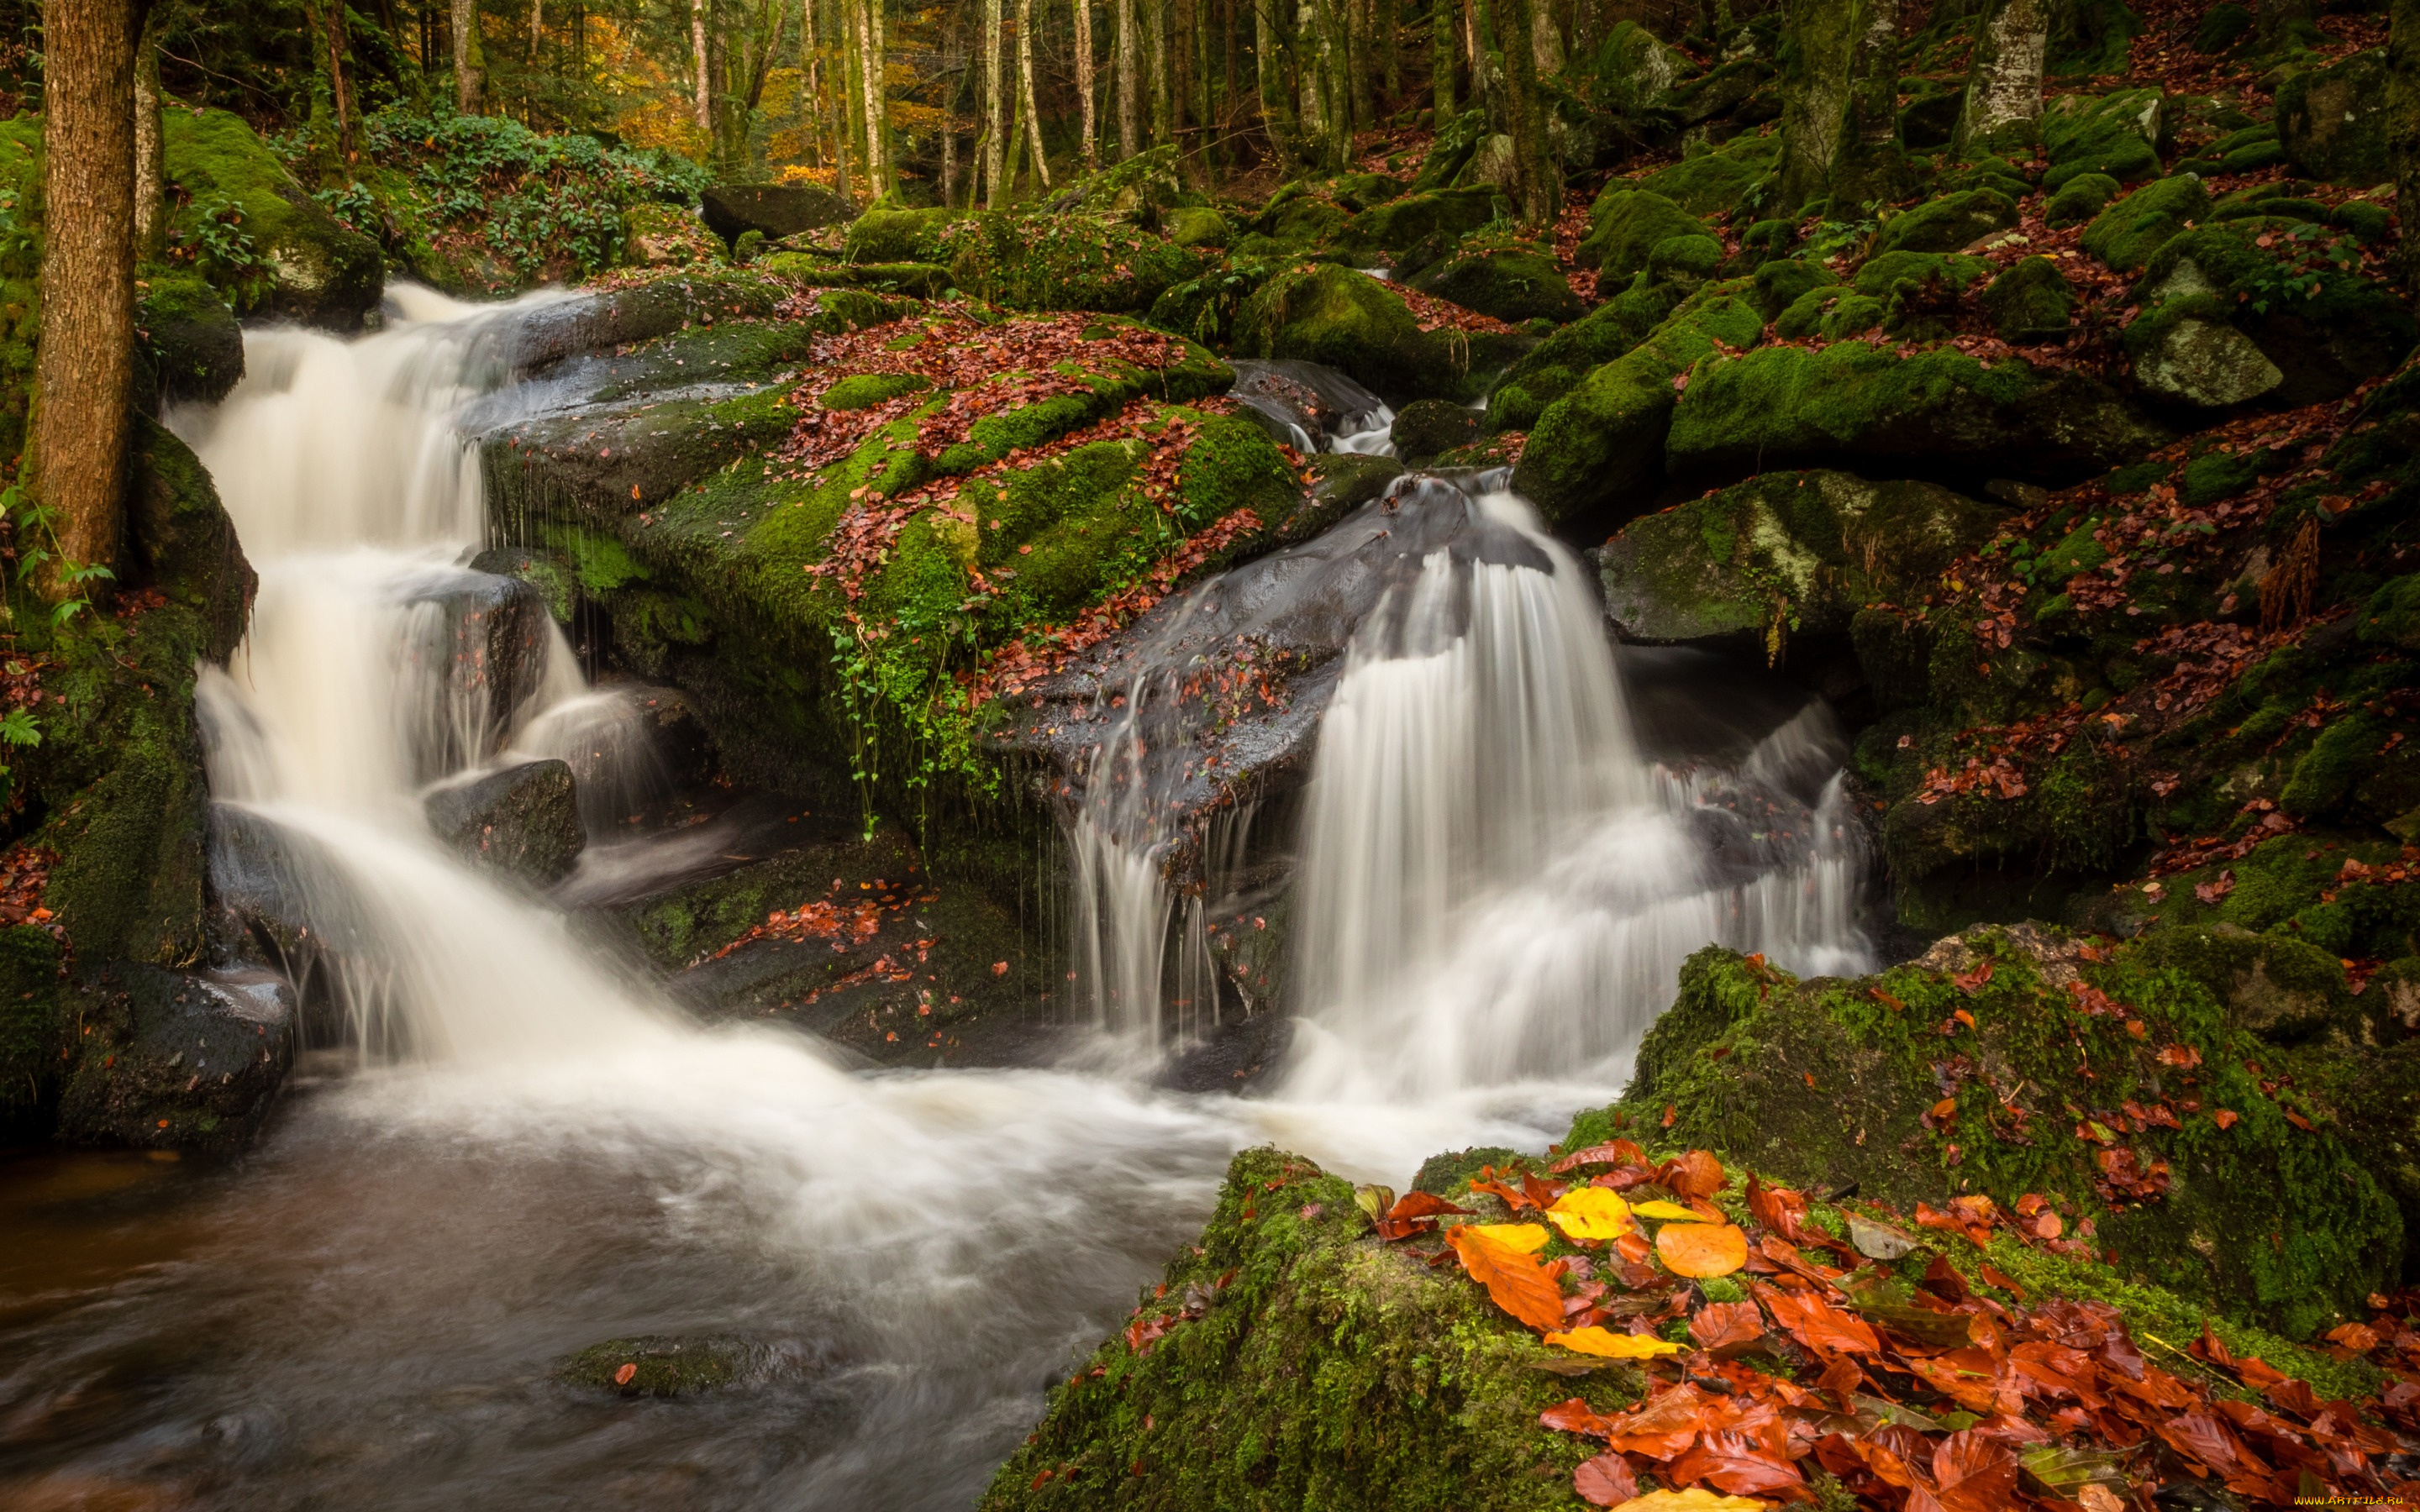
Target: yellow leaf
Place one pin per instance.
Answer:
(1527, 1238)
(1695, 1499)
(1589, 1213)
(1613, 1345)
(1669, 1212)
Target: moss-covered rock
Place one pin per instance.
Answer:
(1511, 283)
(1431, 219)
(1860, 404)
(2126, 234)
(2083, 197)
(177, 1059)
(191, 347)
(660, 1365)
(1709, 180)
(2331, 121)
(891, 233)
(1947, 223)
(256, 234)
(2117, 134)
(1198, 225)
(2031, 301)
(1625, 223)
(1800, 549)
(1355, 323)
(1557, 364)
(1832, 1082)
(1064, 262)
(1428, 428)
(1304, 1364)
(922, 281)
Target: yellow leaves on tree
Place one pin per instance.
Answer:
(1701, 1249)
(1517, 1281)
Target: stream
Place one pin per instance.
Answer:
(1512, 836)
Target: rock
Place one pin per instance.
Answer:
(2207, 365)
(1491, 163)
(2282, 989)
(178, 1059)
(1857, 404)
(1303, 404)
(2331, 121)
(1624, 226)
(1812, 547)
(1717, 179)
(1387, 233)
(2221, 26)
(1634, 71)
(655, 235)
(180, 542)
(1947, 223)
(663, 1365)
(1061, 262)
(522, 821)
(1198, 226)
(922, 281)
(477, 654)
(1427, 427)
(2031, 301)
(1139, 188)
(2336, 329)
(1557, 364)
(2126, 234)
(776, 211)
(1512, 284)
(1350, 321)
(192, 344)
(2085, 196)
(2117, 134)
(891, 233)
(317, 272)
(1928, 122)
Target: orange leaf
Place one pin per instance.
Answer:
(625, 1375)
(2225, 1118)
(1517, 1282)
(1604, 1481)
(1701, 1249)
(1696, 1174)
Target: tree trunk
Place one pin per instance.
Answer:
(1871, 166)
(1334, 53)
(994, 139)
(2004, 78)
(151, 140)
(340, 92)
(2403, 131)
(1814, 96)
(1390, 48)
(1360, 65)
(1129, 84)
(880, 174)
(1474, 43)
(1025, 90)
(470, 60)
(1311, 80)
(1535, 177)
(1154, 33)
(1268, 61)
(85, 367)
(1084, 84)
(1442, 56)
(704, 107)
(538, 26)
(1205, 150)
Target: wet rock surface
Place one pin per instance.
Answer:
(185, 1059)
(523, 821)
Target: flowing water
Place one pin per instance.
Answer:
(522, 1151)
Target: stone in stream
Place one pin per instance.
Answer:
(198, 1057)
(664, 1364)
(476, 656)
(523, 821)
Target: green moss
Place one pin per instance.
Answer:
(29, 1027)
(1716, 180)
(1557, 364)
(1624, 226)
(1350, 321)
(864, 391)
(1948, 223)
(1433, 217)
(2031, 301)
(886, 233)
(1063, 262)
(259, 238)
(2126, 234)
(1784, 280)
(2085, 196)
(1512, 284)
(659, 1365)
(2111, 134)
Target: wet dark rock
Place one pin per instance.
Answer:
(178, 1059)
(193, 348)
(777, 210)
(1303, 404)
(476, 652)
(664, 1364)
(1427, 428)
(523, 821)
(1235, 1056)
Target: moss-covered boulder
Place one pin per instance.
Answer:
(1947, 223)
(1633, 72)
(1800, 550)
(1428, 428)
(1625, 223)
(191, 347)
(194, 1058)
(656, 235)
(922, 281)
(1510, 283)
(256, 234)
(2122, 1089)
(2083, 197)
(2117, 134)
(1290, 1359)
(1431, 218)
(1598, 453)
(892, 232)
(1715, 180)
(2331, 121)
(1557, 364)
(1064, 262)
(1197, 225)
(2031, 301)
(1863, 406)
(2217, 304)
(2126, 234)
(1355, 323)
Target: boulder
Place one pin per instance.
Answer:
(2126, 234)
(1348, 320)
(1427, 428)
(259, 237)
(922, 281)
(1947, 223)
(1197, 225)
(476, 653)
(2030, 301)
(1557, 364)
(2083, 197)
(892, 232)
(2118, 135)
(2280, 988)
(655, 234)
(522, 821)
(1511, 283)
(1936, 410)
(1803, 548)
(194, 1058)
(2207, 365)
(192, 346)
(1713, 181)
(774, 211)
(1064, 262)
(1389, 233)
(664, 1365)
(1304, 404)
(2331, 121)
(1633, 70)
(1625, 223)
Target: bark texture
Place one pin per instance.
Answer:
(1086, 85)
(471, 59)
(2004, 79)
(1540, 184)
(1814, 96)
(1025, 90)
(2403, 131)
(151, 140)
(1871, 166)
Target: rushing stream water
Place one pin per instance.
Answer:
(526, 1152)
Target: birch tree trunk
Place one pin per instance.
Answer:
(2004, 78)
(1442, 51)
(1129, 85)
(150, 141)
(881, 175)
(470, 60)
(1025, 90)
(995, 138)
(1311, 79)
(1539, 183)
(537, 24)
(1084, 85)
(705, 68)
(85, 367)
(1474, 45)
(1155, 42)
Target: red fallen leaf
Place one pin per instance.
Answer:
(1606, 1480)
(1973, 981)
(1816, 1324)
(2223, 1118)
(1573, 1416)
(2358, 1337)
(1620, 1153)
(2211, 892)
(1415, 1212)
(1513, 1198)
(1726, 1325)
(1975, 1472)
(2211, 1348)
(1669, 1114)
(1696, 1174)
(625, 1375)
(1665, 1426)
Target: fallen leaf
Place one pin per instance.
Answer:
(1701, 1249)
(1527, 1239)
(1598, 1340)
(1695, 1499)
(1667, 1212)
(1518, 1284)
(2225, 1118)
(1696, 1174)
(1605, 1481)
(1878, 1240)
(1724, 1325)
(1589, 1213)
(625, 1375)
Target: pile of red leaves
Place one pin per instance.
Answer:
(1931, 1397)
(24, 871)
(1433, 314)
